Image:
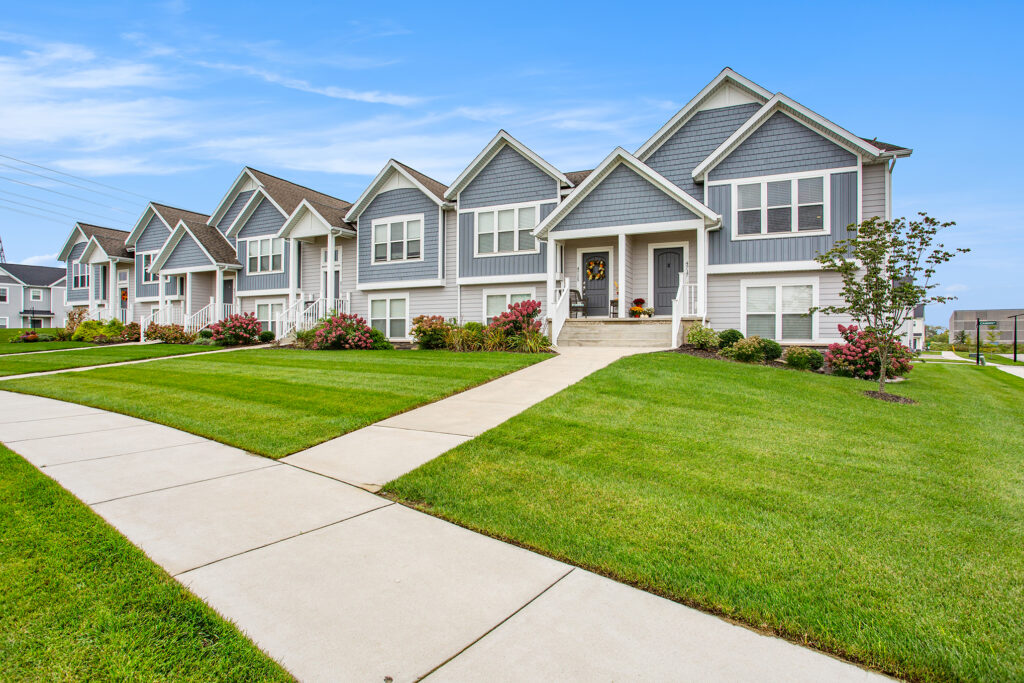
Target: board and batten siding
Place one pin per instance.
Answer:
(399, 202)
(508, 178)
(695, 141)
(874, 190)
(511, 264)
(28, 304)
(723, 249)
(82, 293)
(186, 254)
(264, 221)
(782, 145)
(623, 197)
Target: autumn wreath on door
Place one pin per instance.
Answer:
(595, 269)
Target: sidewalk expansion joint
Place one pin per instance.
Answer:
(178, 486)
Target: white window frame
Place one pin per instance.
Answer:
(259, 240)
(270, 303)
(80, 273)
(5, 324)
(4, 295)
(145, 263)
(824, 174)
(389, 297)
(508, 292)
(779, 283)
(515, 231)
(404, 219)
(35, 294)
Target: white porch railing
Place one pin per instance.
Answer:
(685, 303)
(560, 311)
(124, 315)
(208, 315)
(304, 314)
(162, 316)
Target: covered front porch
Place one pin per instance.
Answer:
(203, 296)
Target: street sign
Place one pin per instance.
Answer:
(987, 322)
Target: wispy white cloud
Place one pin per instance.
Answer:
(956, 288)
(41, 260)
(163, 164)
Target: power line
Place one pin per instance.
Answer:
(29, 213)
(58, 180)
(63, 194)
(60, 206)
(39, 208)
(69, 175)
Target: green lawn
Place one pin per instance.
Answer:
(6, 348)
(277, 401)
(994, 358)
(890, 534)
(79, 602)
(19, 364)
(9, 333)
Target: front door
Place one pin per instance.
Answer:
(229, 291)
(595, 282)
(668, 265)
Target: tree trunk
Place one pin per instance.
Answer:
(883, 356)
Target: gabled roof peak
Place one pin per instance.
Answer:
(490, 150)
(433, 189)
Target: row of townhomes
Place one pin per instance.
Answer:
(31, 296)
(717, 217)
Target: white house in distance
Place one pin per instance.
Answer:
(716, 217)
(31, 296)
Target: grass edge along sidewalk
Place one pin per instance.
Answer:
(23, 364)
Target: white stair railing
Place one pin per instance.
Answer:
(200, 319)
(560, 312)
(685, 303)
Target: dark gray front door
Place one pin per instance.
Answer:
(668, 264)
(595, 273)
(229, 291)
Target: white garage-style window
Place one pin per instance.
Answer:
(264, 255)
(497, 301)
(398, 238)
(267, 314)
(779, 310)
(780, 206)
(390, 315)
(506, 230)
(35, 295)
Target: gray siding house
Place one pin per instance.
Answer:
(31, 296)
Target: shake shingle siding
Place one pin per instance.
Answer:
(265, 220)
(187, 254)
(782, 145)
(76, 295)
(508, 178)
(695, 141)
(623, 198)
(399, 202)
(512, 264)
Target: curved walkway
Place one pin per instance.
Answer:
(337, 583)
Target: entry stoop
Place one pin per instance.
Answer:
(626, 333)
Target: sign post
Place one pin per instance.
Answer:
(1015, 334)
(978, 322)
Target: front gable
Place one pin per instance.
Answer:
(235, 208)
(153, 236)
(508, 178)
(623, 197)
(265, 219)
(186, 254)
(74, 239)
(400, 201)
(782, 145)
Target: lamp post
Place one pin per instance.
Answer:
(1015, 334)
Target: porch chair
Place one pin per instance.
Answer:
(577, 304)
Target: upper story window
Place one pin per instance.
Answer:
(265, 255)
(35, 295)
(398, 238)
(147, 277)
(79, 275)
(3, 295)
(781, 206)
(506, 230)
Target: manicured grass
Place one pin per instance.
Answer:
(9, 333)
(890, 534)
(994, 358)
(79, 602)
(277, 401)
(6, 348)
(20, 364)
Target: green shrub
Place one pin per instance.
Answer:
(469, 337)
(474, 326)
(529, 341)
(380, 342)
(702, 337)
(267, 336)
(305, 338)
(749, 350)
(493, 339)
(131, 332)
(206, 333)
(727, 338)
(772, 349)
(114, 328)
(87, 330)
(203, 341)
(430, 331)
(45, 337)
(802, 358)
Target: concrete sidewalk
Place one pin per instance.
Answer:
(337, 583)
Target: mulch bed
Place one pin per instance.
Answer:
(891, 398)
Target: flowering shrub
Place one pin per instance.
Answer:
(801, 358)
(169, 334)
(430, 331)
(237, 330)
(749, 350)
(519, 318)
(347, 331)
(131, 332)
(859, 356)
(27, 337)
(702, 337)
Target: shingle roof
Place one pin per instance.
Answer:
(434, 186)
(213, 241)
(36, 276)
(884, 146)
(577, 177)
(172, 215)
(289, 195)
(112, 240)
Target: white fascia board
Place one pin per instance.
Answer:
(797, 112)
(755, 268)
(634, 229)
(399, 284)
(371, 191)
(225, 203)
(501, 279)
(91, 247)
(691, 107)
(621, 156)
(69, 243)
(489, 152)
(303, 207)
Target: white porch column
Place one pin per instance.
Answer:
(622, 275)
(331, 294)
(218, 295)
(92, 284)
(702, 272)
(187, 303)
(552, 271)
(111, 285)
(162, 291)
(293, 271)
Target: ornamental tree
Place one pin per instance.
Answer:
(887, 268)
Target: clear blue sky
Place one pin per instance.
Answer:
(171, 99)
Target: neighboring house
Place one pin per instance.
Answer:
(31, 296)
(98, 271)
(717, 217)
(966, 321)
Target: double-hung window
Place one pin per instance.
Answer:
(496, 303)
(265, 255)
(506, 231)
(79, 275)
(267, 315)
(3, 295)
(779, 207)
(35, 295)
(779, 311)
(390, 316)
(148, 277)
(398, 239)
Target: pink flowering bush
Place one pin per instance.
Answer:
(347, 331)
(237, 330)
(519, 318)
(430, 331)
(859, 356)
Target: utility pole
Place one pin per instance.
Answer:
(3, 256)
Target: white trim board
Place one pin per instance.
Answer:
(375, 187)
(635, 229)
(399, 284)
(507, 292)
(755, 268)
(488, 153)
(501, 279)
(515, 230)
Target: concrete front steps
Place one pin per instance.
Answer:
(618, 332)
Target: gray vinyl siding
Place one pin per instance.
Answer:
(254, 283)
(28, 304)
(508, 178)
(186, 254)
(264, 220)
(782, 145)
(149, 289)
(874, 190)
(695, 141)
(152, 239)
(399, 202)
(513, 264)
(232, 213)
(81, 294)
(722, 249)
(623, 198)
